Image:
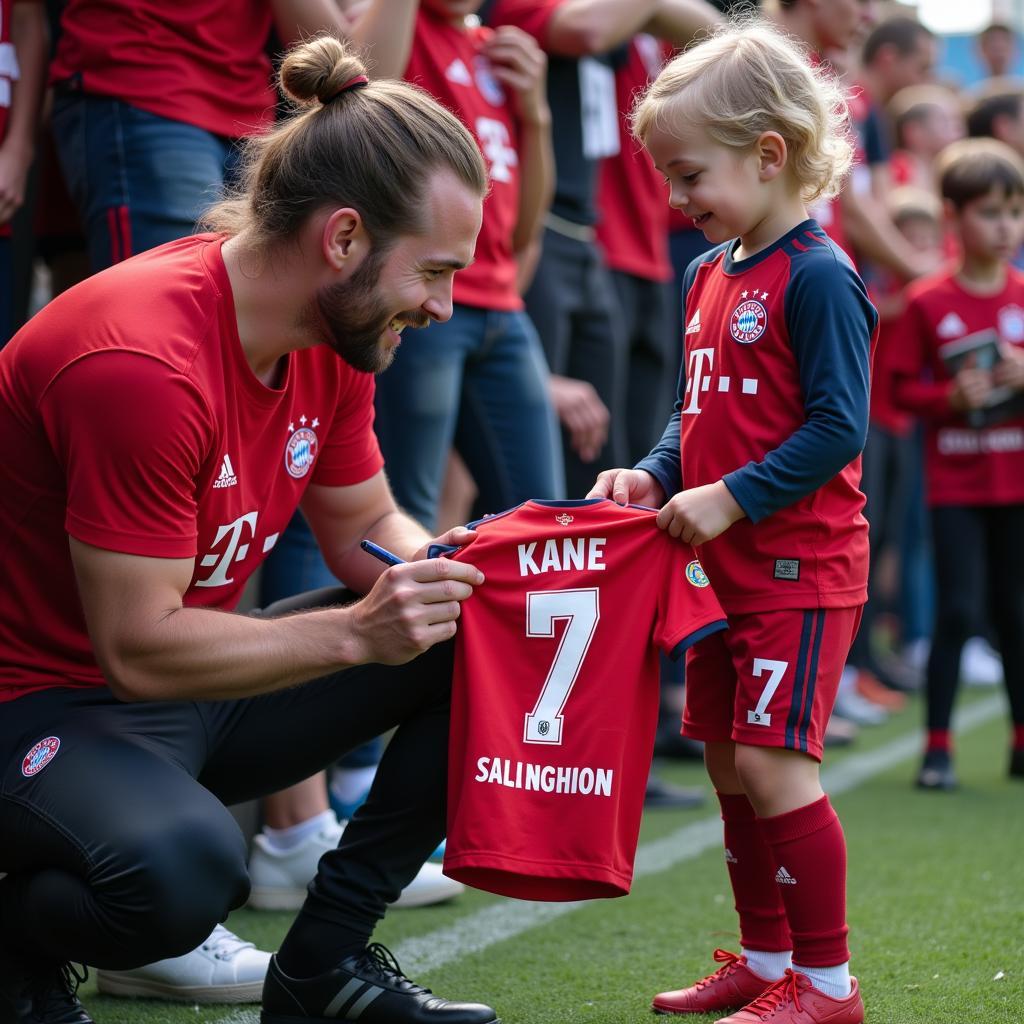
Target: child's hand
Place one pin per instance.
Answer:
(628, 487)
(970, 389)
(1009, 371)
(699, 515)
(521, 65)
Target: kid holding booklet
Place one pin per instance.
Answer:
(960, 366)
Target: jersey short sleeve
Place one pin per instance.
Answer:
(532, 16)
(351, 453)
(688, 610)
(132, 435)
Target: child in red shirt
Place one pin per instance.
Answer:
(973, 410)
(759, 469)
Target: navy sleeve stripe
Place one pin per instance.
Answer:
(693, 638)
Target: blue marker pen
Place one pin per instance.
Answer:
(387, 557)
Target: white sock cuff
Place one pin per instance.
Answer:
(833, 981)
(770, 966)
(282, 839)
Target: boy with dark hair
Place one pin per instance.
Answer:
(968, 391)
(997, 47)
(996, 114)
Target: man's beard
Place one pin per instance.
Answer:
(350, 317)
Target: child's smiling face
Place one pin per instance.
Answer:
(719, 186)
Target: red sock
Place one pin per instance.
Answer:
(938, 739)
(752, 873)
(809, 847)
(1018, 737)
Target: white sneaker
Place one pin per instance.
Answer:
(429, 886)
(979, 664)
(280, 878)
(224, 969)
(857, 709)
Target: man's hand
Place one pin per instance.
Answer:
(701, 514)
(585, 416)
(520, 65)
(412, 607)
(628, 487)
(14, 164)
(457, 537)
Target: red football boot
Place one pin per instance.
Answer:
(733, 985)
(794, 1000)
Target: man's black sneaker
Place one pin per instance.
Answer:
(31, 994)
(369, 988)
(936, 771)
(1017, 764)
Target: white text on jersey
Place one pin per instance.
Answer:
(562, 555)
(545, 778)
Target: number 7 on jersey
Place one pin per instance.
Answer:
(543, 610)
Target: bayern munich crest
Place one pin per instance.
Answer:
(40, 756)
(748, 321)
(300, 452)
(696, 575)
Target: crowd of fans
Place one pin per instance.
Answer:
(561, 356)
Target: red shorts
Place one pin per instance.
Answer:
(770, 679)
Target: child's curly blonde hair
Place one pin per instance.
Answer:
(749, 78)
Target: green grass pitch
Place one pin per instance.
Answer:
(936, 906)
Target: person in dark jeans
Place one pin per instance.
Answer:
(164, 419)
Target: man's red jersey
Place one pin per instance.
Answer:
(132, 421)
(202, 62)
(634, 224)
(555, 696)
(774, 401)
(964, 465)
(449, 63)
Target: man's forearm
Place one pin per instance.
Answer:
(300, 19)
(871, 233)
(394, 531)
(581, 27)
(29, 35)
(537, 182)
(201, 654)
(679, 21)
(384, 32)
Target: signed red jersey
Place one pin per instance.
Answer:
(132, 421)
(555, 696)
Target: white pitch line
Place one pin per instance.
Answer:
(509, 918)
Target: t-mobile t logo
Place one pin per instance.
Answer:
(698, 372)
(244, 527)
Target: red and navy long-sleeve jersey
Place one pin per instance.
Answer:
(773, 399)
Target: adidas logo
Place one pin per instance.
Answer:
(693, 327)
(730, 857)
(951, 326)
(458, 72)
(783, 877)
(227, 476)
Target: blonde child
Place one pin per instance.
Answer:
(759, 467)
